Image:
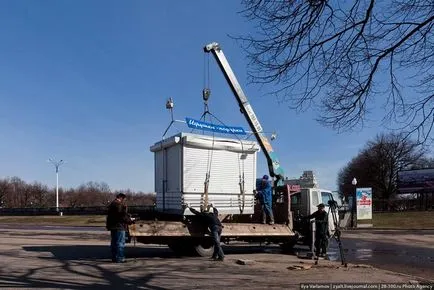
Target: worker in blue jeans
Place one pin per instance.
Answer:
(212, 221)
(117, 222)
(265, 196)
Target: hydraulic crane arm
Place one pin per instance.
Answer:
(272, 160)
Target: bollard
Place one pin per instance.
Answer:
(313, 239)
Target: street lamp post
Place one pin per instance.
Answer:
(56, 166)
(354, 205)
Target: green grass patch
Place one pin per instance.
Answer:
(404, 220)
(75, 220)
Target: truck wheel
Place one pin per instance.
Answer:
(288, 247)
(308, 242)
(182, 247)
(204, 247)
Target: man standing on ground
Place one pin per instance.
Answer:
(116, 223)
(211, 219)
(265, 195)
(321, 232)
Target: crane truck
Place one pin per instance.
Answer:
(185, 234)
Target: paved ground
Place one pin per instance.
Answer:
(71, 259)
(410, 252)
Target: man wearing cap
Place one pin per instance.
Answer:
(265, 195)
(212, 221)
(117, 221)
(321, 232)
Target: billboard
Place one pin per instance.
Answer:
(364, 203)
(412, 181)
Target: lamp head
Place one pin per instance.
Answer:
(354, 181)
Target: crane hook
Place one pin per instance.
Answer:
(169, 104)
(205, 94)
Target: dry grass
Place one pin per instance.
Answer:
(404, 220)
(391, 220)
(55, 220)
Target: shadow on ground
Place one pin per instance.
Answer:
(98, 252)
(148, 268)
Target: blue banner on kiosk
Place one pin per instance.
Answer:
(195, 124)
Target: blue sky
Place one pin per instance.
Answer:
(87, 82)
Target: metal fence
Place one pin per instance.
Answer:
(90, 210)
(422, 203)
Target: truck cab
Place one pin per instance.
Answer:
(304, 203)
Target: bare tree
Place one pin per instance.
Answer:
(423, 163)
(378, 164)
(139, 198)
(90, 194)
(18, 192)
(15, 192)
(39, 194)
(4, 190)
(348, 57)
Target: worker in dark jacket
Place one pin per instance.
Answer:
(265, 195)
(117, 221)
(211, 219)
(321, 232)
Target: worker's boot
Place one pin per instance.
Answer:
(264, 219)
(271, 219)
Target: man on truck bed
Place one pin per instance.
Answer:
(265, 195)
(211, 219)
(116, 223)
